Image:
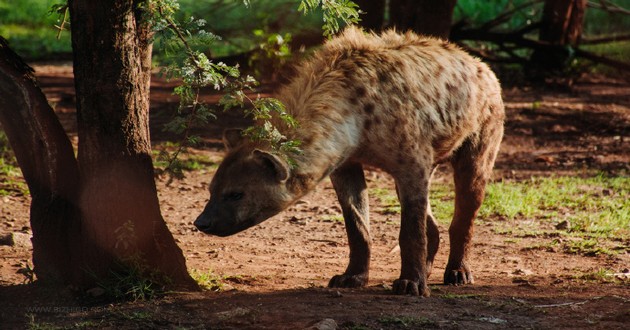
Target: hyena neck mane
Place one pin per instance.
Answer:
(328, 132)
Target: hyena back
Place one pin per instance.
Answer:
(402, 103)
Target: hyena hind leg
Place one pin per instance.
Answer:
(351, 189)
(472, 168)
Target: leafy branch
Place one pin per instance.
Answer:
(334, 11)
(197, 71)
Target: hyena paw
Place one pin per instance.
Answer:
(348, 281)
(458, 276)
(414, 288)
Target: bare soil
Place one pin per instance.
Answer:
(275, 274)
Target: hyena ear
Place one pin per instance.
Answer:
(232, 137)
(279, 165)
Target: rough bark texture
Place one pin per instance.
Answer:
(428, 17)
(46, 158)
(118, 198)
(561, 27)
(562, 21)
(374, 17)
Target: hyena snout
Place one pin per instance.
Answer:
(209, 222)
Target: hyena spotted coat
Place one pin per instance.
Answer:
(403, 103)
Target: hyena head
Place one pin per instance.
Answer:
(248, 188)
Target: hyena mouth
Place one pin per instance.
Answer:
(226, 229)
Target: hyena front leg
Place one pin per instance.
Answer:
(413, 195)
(349, 183)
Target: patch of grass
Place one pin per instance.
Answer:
(587, 247)
(441, 197)
(129, 284)
(388, 201)
(34, 325)
(186, 162)
(405, 321)
(213, 282)
(333, 218)
(595, 206)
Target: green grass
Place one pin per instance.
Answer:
(211, 281)
(595, 206)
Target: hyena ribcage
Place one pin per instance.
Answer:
(403, 103)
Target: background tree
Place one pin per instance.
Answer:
(374, 14)
(100, 212)
(561, 27)
(429, 17)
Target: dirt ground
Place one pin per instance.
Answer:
(274, 275)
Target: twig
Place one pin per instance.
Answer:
(561, 305)
(603, 40)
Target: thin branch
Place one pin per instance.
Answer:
(603, 40)
(602, 60)
(608, 6)
(505, 16)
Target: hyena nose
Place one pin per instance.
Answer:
(202, 224)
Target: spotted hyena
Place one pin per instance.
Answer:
(402, 103)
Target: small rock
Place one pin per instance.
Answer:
(16, 239)
(564, 225)
(325, 324)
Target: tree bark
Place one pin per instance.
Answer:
(374, 17)
(46, 158)
(118, 197)
(428, 17)
(561, 27)
(562, 21)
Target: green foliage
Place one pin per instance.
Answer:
(480, 12)
(197, 71)
(29, 26)
(335, 13)
(272, 53)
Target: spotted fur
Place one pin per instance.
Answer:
(400, 102)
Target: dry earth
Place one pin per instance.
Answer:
(275, 274)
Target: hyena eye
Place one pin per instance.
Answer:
(234, 196)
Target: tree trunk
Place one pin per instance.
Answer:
(374, 17)
(562, 21)
(561, 28)
(46, 158)
(428, 17)
(121, 219)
